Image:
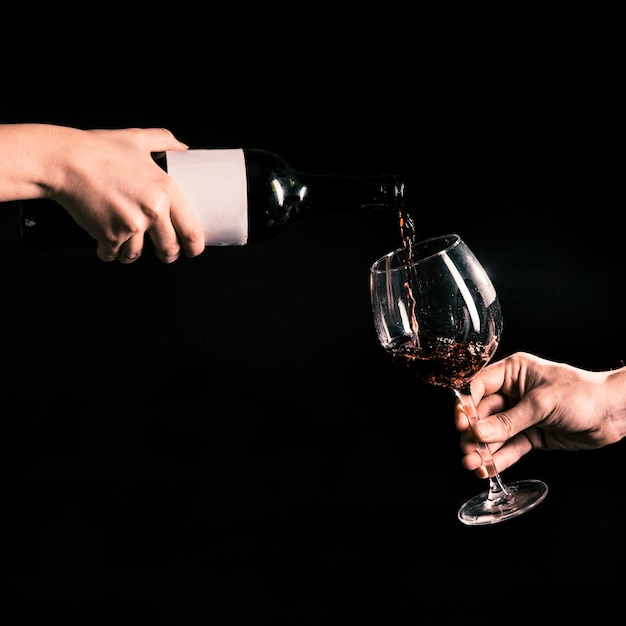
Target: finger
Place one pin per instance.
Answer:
(165, 240)
(185, 221)
(508, 423)
(489, 380)
(131, 250)
(107, 251)
(460, 417)
(492, 404)
(489, 405)
(161, 139)
(504, 456)
(468, 443)
(187, 225)
(511, 452)
(150, 139)
(472, 461)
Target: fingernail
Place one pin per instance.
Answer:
(482, 472)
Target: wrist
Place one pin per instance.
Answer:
(24, 155)
(57, 158)
(615, 394)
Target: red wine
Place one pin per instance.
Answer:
(407, 232)
(446, 363)
(408, 238)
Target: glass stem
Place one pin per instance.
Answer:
(497, 489)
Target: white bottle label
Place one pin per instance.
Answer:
(214, 183)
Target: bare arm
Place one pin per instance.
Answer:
(107, 181)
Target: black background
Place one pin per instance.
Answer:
(221, 440)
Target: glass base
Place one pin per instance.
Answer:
(484, 509)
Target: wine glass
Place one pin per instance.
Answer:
(436, 310)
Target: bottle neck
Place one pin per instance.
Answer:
(278, 194)
(349, 193)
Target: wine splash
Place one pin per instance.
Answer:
(445, 363)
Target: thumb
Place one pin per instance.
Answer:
(162, 139)
(504, 425)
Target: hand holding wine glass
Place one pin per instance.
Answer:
(436, 310)
(548, 405)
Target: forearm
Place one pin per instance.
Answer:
(32, 159)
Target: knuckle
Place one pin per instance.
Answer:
(168, 255)
(506, 422)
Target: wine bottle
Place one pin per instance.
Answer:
(241, 195)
